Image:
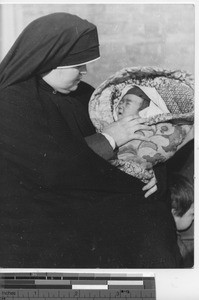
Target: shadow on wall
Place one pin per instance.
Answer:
(130, 34)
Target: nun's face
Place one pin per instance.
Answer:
(65, 80)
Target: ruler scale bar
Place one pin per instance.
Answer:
(77, 286)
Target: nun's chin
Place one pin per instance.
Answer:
(74, 87)
(69, 90)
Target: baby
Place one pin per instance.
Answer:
(137, 157)
(135, 102)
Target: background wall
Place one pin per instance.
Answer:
(130, 34)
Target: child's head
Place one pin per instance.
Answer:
(132, 102)
(182, 201)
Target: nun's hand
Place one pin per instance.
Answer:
(150, 187)
(126, 129)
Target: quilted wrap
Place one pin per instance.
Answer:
(169, 131)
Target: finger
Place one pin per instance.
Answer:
(128, 119)
(151, 191)
(134, 118)
(150, 184)
(140, 127)
(139, 120)
(148, 166)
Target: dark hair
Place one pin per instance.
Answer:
(138, 92)
(181, 192)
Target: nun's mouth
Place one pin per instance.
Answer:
(78, 80)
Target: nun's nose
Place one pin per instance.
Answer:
(83, 70)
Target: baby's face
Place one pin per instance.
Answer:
(184, 222)
(129, 106)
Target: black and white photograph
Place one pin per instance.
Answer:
(97, 135)
(98, 132)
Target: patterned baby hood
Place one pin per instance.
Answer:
(169, 131)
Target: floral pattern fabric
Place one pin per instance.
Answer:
(168, 130)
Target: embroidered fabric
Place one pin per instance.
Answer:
(170, 130)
